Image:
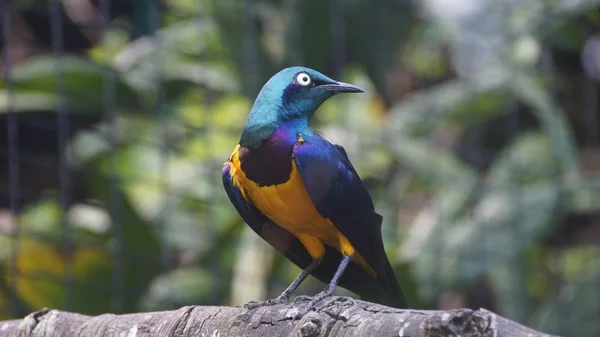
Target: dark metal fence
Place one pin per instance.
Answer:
(478, 140)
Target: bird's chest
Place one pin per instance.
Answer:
(270, 179)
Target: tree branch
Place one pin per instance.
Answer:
(333, 317)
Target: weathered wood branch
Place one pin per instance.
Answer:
(333, 317)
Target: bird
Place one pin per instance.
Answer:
(302, 195)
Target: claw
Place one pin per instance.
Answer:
(302, 298)
(313, 301)
(320, 296)
(346, 299)
(272, 301)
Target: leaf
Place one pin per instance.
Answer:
(92, 272)
(190, 33)
(70, 80)
(508, 281)
(420, 112)
(44, 258)
(203, 74)
(456, 186)
(42, 275)
(41, 272)
(42, 219)
(134, 244)
(150, 60)
(586, 198)
(428, 226)
(573, 310)
(509, 216)
(4, 307)
(441, 167)
(5, 247)
(529, 160)
(553, 121)
(25, 101)
(498, 228)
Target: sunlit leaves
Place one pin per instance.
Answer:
(158, 217)
(74, 82)
(553, 121)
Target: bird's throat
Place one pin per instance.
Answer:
(269, 164)
(253, 136)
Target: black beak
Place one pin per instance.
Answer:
(341, 87)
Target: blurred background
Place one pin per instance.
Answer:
(478, 139)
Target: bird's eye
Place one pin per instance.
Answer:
(303, 79)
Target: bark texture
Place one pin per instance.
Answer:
(335, 317)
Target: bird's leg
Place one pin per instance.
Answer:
(303, 275)
(285, 296)
(328, 291)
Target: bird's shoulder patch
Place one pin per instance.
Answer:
(269, 164)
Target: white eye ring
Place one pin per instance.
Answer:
(303, 79)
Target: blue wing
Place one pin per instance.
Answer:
(338, 194)
(354, 279)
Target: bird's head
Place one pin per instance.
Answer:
(291, 94)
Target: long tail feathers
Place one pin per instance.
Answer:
(385, 290)
(390, 283)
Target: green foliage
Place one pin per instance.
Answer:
(178, 288)
(575, 302)
(56, 271)
(158, 232)
(491, 223)
(73, 82)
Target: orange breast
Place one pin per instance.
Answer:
(289, 206)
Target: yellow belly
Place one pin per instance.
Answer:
(289, 206)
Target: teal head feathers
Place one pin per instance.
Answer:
(293, 94)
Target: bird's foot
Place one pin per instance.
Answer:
(283, 298)
(348, 299)
(314, 300)
(302, 298)
(320, 296)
